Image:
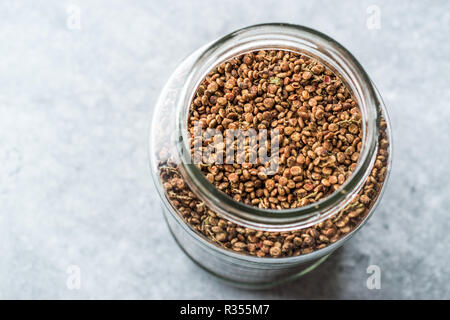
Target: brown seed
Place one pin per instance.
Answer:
(210, 177)
(284, 66)
(321, 151)
(319, 114)
(333, 127)
(272, 88)
(267, 115)
(308, 186)
(317, 69)
(355, 157)
(306, 75)
(283, 181)
(301, 159)
(305, 95)
(295, 171)
(298, 241)
(275, 251)
(312, 102)
(296, 136)
(230, 83)
(308, 241)
(270, 184)
(233, 177)
(262, 175)
(237, 246)
(260, 253)
(212, 87)
(268, 243)
(333, 180)
(353, 128)
(288, 130)
(289, 88)
(221, 236)
(222, 101)
(269, 102)
(364, 199)
(349, 151)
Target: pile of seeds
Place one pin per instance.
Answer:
(321, 139)
(318, 120)
(274, 244)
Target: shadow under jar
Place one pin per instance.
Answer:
(192, 206)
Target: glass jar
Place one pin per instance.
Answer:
(170, 155)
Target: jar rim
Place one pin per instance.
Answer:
(306, 41)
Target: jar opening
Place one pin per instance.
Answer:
(306, 42)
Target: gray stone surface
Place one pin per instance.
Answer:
(75, 107)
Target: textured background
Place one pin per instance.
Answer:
(75, 106)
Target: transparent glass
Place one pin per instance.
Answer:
(169, 144)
